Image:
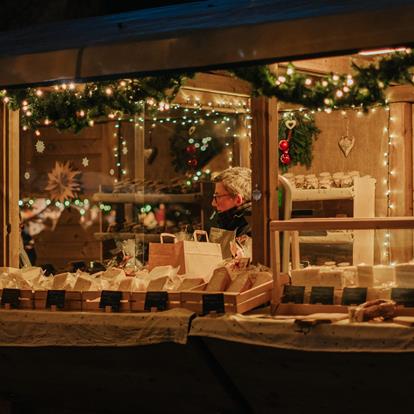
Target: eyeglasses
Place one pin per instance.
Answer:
(216, 196)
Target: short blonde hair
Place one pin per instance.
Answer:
(236, 180)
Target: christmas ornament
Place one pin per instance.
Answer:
(191, 130)
(62, 182)
(40, 146)
(85, 162)
(285, 158)
(125, 150)
(27, 175)
(290, 123)
(346, 142)
(191, 149)
(192, 162)
(284, 145)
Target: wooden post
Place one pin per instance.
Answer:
(401, 178)
(264, 174)
(9, 191)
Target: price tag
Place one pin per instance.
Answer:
(213, 302)
(293, 294)
(354, 296)
(10, 296)
(157, 300)
(111, 298)
(403, 296)
(322, 294)
(55, 297)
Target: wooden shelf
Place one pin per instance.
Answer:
(148, 237)
(140, 198)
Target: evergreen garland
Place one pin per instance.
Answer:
(301, 139)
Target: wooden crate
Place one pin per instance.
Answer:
(91, 300)
(174, 299)
(233, 302)
(25, 299)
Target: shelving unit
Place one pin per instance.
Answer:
(362, 194)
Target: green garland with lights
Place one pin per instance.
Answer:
(67, 107)
(295, 143)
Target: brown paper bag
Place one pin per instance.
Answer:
(194, 258)
(224, 238)
(164, 254)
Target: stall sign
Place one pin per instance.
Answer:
(11, 297)
(354, 296)
(403, 296)
(55, 298)
(322, 294)
(293, 294)
(111, 298)
(213, 302)
(158, 300)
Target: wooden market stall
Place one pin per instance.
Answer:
(205, 351)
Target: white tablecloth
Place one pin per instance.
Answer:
(46, 328)
(340, 336)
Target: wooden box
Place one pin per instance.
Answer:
(25, 299)
(91, 301)
(233, 302)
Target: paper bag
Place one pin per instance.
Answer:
(194, 258)
(166, 254)
(224, 238)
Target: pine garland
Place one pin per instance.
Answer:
(301, 141)
(68, 108)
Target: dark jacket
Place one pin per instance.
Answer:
(237, 218)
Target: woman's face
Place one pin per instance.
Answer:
(222, 200)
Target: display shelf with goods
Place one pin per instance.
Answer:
(384, 287)
(355, 200)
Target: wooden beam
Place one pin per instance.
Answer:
(264, 174)
(9, 195)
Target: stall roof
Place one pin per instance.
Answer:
(204, 34)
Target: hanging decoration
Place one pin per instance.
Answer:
(85, 161)
(40, 146)
(74, 107)
(346, 142)
(297, 132)
(63, 183)
(191, 153)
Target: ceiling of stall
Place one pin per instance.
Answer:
(203, 34)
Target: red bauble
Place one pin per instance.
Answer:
(285, 158)
(192, 162)
(191, 149)
(283, 145)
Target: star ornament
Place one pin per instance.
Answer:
(85, 162)
(40, 146)
(63, 182)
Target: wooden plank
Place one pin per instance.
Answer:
(343, 224)
(254, 302)
(146, 198)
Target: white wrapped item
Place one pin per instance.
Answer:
(158, 283)
(384, 274)
(331, 278)
(63, 281)
(365, 275)
(404, 275)
(83, 282)
(308, 276)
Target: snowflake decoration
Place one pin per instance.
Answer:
(63, 183)
(85, 161)
(27, 175)
(40, 146)
(125, 150)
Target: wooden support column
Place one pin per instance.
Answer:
(264, 174)
(401, 178)
(9, 190)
